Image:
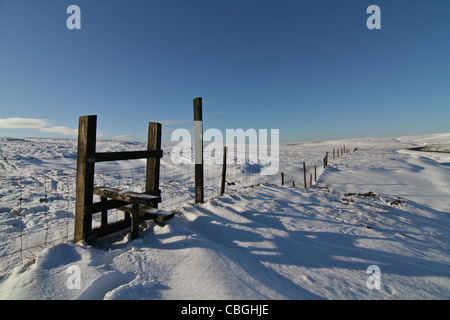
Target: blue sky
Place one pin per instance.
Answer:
(309, 68)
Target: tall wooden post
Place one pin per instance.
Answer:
(152, 173)
(224, 171)
(282, 178)
(198, 150)
(304, 174)
(315, 173)
(87, 131)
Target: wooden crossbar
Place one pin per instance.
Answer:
(125, 155)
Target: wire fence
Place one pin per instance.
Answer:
(37, 211)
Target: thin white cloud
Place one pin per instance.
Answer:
(39, 124)
(22, 123)
(60, 129)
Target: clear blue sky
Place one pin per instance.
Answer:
(309, 68)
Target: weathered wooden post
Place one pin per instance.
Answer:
(198, 150)
(315, 173)
(87, 131)
(224, 171)
(304, 173)
(152, 173)
(282, 178)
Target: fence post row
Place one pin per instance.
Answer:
(138, 204)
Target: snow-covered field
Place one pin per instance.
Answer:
(381, 205)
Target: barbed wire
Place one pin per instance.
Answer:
(15, 158)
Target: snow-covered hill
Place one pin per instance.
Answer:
(381, 205)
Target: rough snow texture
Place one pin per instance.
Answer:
(277, 242)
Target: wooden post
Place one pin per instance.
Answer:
(304, 173)
(87, 131)
(326, 159)
(135, 221)
(152, 171)
(315, 173)
(282, 178)
(104, 213)
(310, 179)
(224, 171)
(333, 154)
(198, 149)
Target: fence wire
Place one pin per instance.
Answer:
(37, 211)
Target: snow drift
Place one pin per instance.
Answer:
(380, 206)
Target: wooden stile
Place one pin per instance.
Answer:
(136, 204)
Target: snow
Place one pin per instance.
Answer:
(381, 205)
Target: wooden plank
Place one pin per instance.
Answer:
(157, 217)
(126, 196)
(124, 155)
(87, 131)
(147, 214)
